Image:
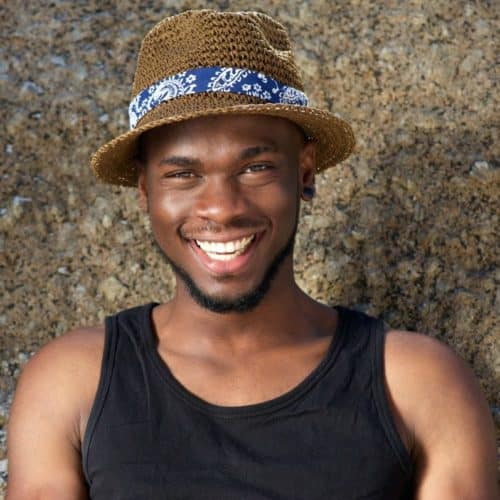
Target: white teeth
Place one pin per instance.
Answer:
(222, 256)
(228, 250)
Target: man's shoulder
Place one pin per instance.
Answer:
(80, 343)
(435, 393)
(67, 362)
(422, 372)
(54, 392)
(417, 360)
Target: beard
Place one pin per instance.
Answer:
(243, 303)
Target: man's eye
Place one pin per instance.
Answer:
(179, 175)
(260, 167)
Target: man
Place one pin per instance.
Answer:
(241, 386)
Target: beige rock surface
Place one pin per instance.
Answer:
(407, 228)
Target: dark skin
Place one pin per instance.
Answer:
(232, 178)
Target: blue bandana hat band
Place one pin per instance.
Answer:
(213, 79)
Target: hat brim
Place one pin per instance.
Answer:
(114, 161)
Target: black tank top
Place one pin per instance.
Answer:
(330, 437)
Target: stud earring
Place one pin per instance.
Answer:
(308, 193)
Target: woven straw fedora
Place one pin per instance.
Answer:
(204, 62)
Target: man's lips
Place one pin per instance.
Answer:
(226, 256)
(225, 250)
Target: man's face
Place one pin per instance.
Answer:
(223, 197)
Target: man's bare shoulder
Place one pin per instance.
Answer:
(422, 364)
(415, 353)
(73, 354)
(55, 391)
(68, 368)
(65, 370)
(438, 398)
(424, 373)
(88, 338)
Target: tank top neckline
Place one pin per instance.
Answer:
(250, 410)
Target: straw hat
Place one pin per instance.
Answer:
(203, 62)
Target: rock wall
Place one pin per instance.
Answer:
(407, 228)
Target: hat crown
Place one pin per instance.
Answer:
(206, 38)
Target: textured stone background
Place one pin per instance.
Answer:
(407, 228)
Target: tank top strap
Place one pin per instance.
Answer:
(364, 341)
(107, 363)
(380, 330)
(127, 328)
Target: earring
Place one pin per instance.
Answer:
(308, 193)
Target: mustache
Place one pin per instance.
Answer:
(209, 226)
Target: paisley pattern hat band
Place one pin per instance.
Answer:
(214, 79)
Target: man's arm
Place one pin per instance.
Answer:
(442, 406)
(55, 390)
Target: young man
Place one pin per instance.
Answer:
(241, 386)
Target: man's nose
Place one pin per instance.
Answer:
(221, 200)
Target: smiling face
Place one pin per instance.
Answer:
(223, 197)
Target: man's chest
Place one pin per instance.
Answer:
(246, 380)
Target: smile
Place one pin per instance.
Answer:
(225, 250)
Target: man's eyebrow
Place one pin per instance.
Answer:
(180, 161)
(257, 150)
(186, 161)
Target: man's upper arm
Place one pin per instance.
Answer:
(441, 402)
(43, 431)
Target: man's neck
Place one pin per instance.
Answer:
(286, 315)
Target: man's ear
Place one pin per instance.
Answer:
(307, 170)
(142, 190)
